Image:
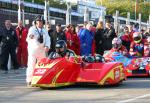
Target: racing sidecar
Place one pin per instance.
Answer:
(133, 66)
(68, 71)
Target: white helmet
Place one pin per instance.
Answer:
(116, 43)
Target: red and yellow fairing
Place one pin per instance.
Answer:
(63, 72)
(56, 73)
(135, 65)
(102, 73)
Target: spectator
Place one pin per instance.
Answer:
(22, 53)
(57, 35)
(50, 33)
(136, 27)
(147, 47)
(86, 37)
(131, 31)
(77, 29)
(73, 41)
(109, 34)
(49, 29)
(38, 45)
(99, 38)
(9, 43)
(147, 33)
(125, 38)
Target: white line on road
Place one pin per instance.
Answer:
(133, 99)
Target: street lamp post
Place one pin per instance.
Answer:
(32, 1)
(128, 18)
(46, 12)
(139, 21)
(116, 21)
(21, 11)
(86, 14)
(69, 3)
(148, 22)
(68, 13)
(136, 7)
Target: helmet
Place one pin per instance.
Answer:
(89, 59)
(61, 47)
(137, 37)
(39, 18)
(99, 58)
(116, 43)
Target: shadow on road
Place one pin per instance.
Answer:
(130, 83)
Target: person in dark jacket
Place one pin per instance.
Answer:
(99, 38)
(9, 43)
(50, 32)
(109, 35)
(57, 35)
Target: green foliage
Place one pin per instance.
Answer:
(124, 6)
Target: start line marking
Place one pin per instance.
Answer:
(130, 100)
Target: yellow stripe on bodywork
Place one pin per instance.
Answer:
(53, 85)
(49, 65)
(56, 77)
(35, 79)
(111, 75)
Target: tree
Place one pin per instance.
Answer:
(125, 6)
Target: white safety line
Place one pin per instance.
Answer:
(133, 99)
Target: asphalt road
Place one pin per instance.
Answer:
(13, 90)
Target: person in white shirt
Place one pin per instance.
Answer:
(38, 45)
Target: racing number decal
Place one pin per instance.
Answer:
(117, 74)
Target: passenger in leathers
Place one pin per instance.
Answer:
(38, 45)
(61, 50)
(9, 43)
(116, 47)
(137, 46)
(22, 53)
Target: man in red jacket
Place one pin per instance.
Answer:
(22, 54)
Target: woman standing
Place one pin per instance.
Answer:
(73, 42)
(99, 38)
